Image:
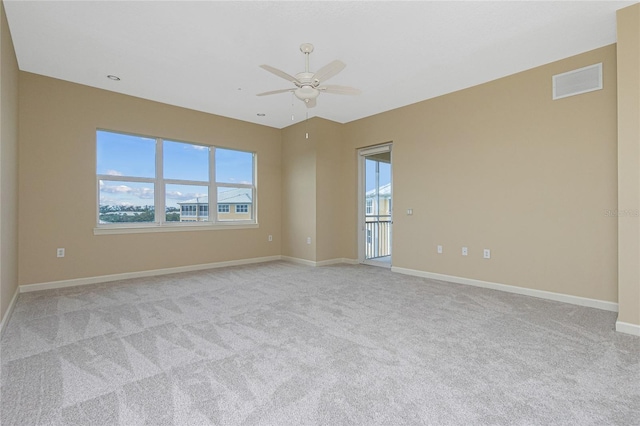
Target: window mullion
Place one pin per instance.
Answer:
(159, 185)
(213, 188)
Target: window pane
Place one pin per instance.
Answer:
(234, 166)
(126, 202)
(186, 203)
(185, 161)
(239, 201)
(125, 155)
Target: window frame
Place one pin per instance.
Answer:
(160, 224)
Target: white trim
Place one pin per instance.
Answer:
(337, 261)
(185, 226)
(128, 275)
(7, 315)
(625, 327)
(378, 149)
(558, 297)
(299, 261)
(322, 262)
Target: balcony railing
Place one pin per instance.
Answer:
(377, 236)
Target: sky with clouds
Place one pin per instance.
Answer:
(134, 156)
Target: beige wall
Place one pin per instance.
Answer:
(57, 185)
(313, 197)
(299, 192)
(502, 166)
(330, 198)
(628, 164)
(8, 167)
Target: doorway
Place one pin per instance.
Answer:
(375, 206)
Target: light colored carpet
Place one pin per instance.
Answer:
(284, 344)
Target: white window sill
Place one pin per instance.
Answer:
(185, 227)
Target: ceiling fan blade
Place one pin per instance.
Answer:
(279, 73)
(273, 92)
(339, 90)
(329, 70)
(311, 103)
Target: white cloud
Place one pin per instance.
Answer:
(200, 147)
(114, 173)
(142, 193)
(183, 196)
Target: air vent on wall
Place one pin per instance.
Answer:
(578, 81)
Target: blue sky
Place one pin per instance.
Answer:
(134, 156)
(370, 176)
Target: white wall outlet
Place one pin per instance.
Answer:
(487, 254)
(308, 240)
(270, 238)
(60, 252)
(409, 212)
(440, 249)
(465, 251)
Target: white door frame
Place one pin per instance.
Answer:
(362, 154)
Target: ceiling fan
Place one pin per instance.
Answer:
(308, 83)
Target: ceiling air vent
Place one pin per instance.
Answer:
(578, 81)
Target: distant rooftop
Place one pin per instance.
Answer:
(232, 196)
(384, 191)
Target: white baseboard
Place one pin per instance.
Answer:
(558, 297)
(625, 327)
(320, 263)
(128, 275)
(337, 261)
(298, 260)
(7, 315)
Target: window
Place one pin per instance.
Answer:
(369, 206)
(155, 182)
(242, 208)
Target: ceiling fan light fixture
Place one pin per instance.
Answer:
(305, 93)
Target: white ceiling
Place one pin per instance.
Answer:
(205, 55)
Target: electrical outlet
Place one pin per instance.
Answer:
(487, 254)
(465, 251)
(409, 212)
(270, 238)
(60, 252)
(308, 240)
(439, 249)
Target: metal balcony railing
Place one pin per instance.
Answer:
(377, 236)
